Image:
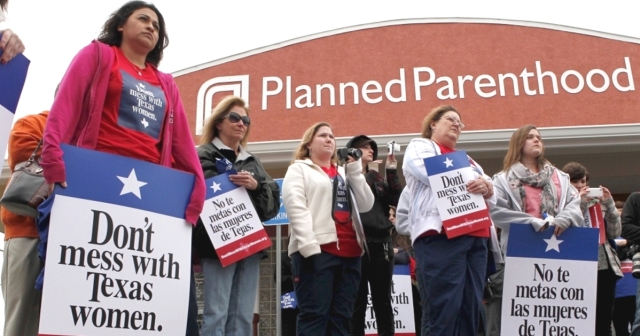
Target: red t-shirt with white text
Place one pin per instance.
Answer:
(347, 244)
(133, 113)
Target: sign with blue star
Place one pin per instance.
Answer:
(119, 249)
(12, 78)
(281, 218)
(231, 220)
(461, 212)
(550, 282)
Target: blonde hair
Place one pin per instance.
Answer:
(514, 154)
(433, 116)
(303, 152)
(218, 114)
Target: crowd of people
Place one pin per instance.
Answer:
(349, 223)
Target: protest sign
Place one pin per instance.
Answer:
(281, 218)
(401, 302)
(461, 212)
(231, 221)
(12, 78)
(550, 282)
(289, 301)
(119, 249)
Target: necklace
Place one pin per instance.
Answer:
(137, 68)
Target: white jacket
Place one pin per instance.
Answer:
(417, 211)
(307, 193)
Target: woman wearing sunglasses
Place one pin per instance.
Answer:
(230, 292)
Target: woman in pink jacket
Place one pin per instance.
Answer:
(113, 99)
(99, 107)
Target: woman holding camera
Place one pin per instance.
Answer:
(530, 191)
(326, 237)
(450, 271)
(609, 269)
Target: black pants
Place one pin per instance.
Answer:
(604, 301)
(377, 271)
(624, 312)
(289, 317)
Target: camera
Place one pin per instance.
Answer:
(634, 252)
(392, 147)
(352, 152)
(594, 192)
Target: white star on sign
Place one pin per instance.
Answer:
(448, 163)
(131, 184)
(553, 243)
(215, 187)
(144, 122)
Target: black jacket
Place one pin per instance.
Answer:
(376, 223)
(631, 219)
(266, 198)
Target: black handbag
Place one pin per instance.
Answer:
(27, 188)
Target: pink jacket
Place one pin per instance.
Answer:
(76, 121)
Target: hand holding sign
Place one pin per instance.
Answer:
(462, 211)
(231, 220)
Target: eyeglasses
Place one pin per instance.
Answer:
(235, 118)
(455, 121)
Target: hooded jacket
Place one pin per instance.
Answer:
(265, 198)
(76, 115)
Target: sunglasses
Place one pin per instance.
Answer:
(236, 118)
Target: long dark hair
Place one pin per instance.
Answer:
(111, 36)
(3, 4)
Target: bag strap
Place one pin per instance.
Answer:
(32, 158)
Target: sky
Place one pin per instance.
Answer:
(201, 31)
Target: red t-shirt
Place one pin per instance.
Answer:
(133, 113)
(347, 244)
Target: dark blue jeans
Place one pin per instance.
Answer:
(326, 287)
(451, 273)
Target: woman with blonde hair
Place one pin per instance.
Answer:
(450, 271)
(323, 201)
(230, 292)
(530, 190)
